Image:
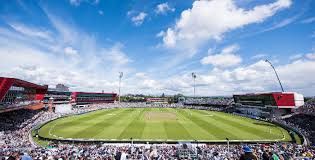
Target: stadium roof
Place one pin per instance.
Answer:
(94, 93)
(6, 83)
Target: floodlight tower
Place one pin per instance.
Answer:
(275, 73)
(193, 75)
(120, 76)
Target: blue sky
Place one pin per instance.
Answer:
(158, 44)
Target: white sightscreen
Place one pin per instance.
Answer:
(63, 108)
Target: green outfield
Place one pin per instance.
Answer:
(162, 124)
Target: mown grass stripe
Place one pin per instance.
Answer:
(240, 119)
(175, 130)
(188, 125)
(153, 129)
(247, 129)
(93, 130)
(117, 126)
(135, 128)
(213, 129)
(85, 118)
(65, 125)
(195, 130)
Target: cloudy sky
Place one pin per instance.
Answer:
(158, 44)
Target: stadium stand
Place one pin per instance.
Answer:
(17, 123)
(16, 143)
(305, 123)
(303, 119)
(16, 94)
(211, 101)
(308, 108)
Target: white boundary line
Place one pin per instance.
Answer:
(168, 140)
(163, 140)
(160, 140)
(50, 129)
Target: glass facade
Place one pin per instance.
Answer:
(94, 97)
(58, 96)
(18, 96)
(255, 100)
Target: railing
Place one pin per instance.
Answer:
(19, 104)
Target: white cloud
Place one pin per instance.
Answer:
(150, 84)
(296, 56)
(256, 77)
(282, 23)
(116, 55)
(309, 20)
(226, 58)
(66, 32)
(140, 75)
(259, 56)
(160, 34)
(100, 12)
(28, 31)
(97, 65)
(14, 54)
(142, 83)
(78, 2)
(70, 51)
(310, 56)
(75, 2)
(298, 76)
(43, 62)
(209, 20)
(163, 8)
(101, 66)
(138, 19)
(129, 13)
(231, 49)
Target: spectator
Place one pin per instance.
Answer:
(248, 154)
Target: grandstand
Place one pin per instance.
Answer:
(84, 98)
(268, 105)
(176, 130)
(207, 101)
(17, 94)
(59, 97)
(157, 100)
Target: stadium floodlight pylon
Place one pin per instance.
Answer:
(275, 73)
(194, 76)
(120, 76)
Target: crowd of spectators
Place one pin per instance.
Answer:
(219, 101)
(308, 107)
(16, 142)
(304, 123)
(161, 105)
(303, 120)
(163, 152)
